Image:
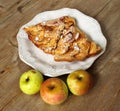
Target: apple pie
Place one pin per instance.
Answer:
(63, 39)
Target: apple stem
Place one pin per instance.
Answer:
(51, 87)
(27, 79)
(79, 78)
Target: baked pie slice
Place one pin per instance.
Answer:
(63, 39)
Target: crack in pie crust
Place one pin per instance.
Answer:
(63, 39)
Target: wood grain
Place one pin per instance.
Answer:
(104, 96)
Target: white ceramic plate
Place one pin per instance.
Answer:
(45, 63)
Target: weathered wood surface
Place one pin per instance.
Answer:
(104, 96)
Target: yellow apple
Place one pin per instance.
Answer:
(79, 82)
(30, 82)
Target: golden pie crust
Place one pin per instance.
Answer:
(63, 39)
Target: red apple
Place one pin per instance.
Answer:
(79, 82)
(54, 91)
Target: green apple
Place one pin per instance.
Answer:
(79, 82)
(30, 82)
(54, 91)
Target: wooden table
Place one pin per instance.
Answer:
(104, 96)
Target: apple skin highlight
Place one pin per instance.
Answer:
(54, 91)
